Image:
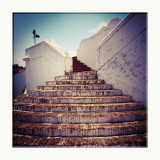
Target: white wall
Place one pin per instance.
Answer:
(88, 47)
(68, 64)
(122, 57)
(46, 60)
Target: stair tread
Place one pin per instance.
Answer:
(78, 108)
(101, 97)
(59, 114)
(74, 93)
(29, 125)
(27, 140)
(77, 105)
(74, 85)
(71, 81)
(80, 80)
(71, 99)
(88, 90)
(83, 73)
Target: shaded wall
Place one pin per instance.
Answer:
(88, 47)
(44, 63)
(122, 57)
(19, 83)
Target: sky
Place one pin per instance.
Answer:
(66, 29)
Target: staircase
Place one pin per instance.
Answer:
(78, 110)
(78, 66)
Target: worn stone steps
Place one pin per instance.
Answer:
(74, 118)
(134, 140)
(78, 108)
(79, 66)
(81, 82)
(76, 77)
(74, 93)
(79, 130)
(75, 87)
(74, 100)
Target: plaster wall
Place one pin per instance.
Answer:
(68, 64)
(88, 47)
(44, 63)
(122, 57)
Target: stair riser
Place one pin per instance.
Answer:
(82, 82)
(79, 66)
(78, 119)
(75, 87)
(76, 77)
(80, 132)
(75, 100)
(77, 109)
(74, 93)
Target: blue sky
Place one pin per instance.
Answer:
(66, 29)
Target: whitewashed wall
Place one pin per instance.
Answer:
(45, 61)
(68, 64)
(88, 47)
(122, 57)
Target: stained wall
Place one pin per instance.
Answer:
(122, 57)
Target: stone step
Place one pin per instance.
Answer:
(77, 82)
(81, 69)
(80, 66)
(78, 108)
(113, 141)
(75, 118)
(77, 100)
(75, 87)
(85, 73)
(74, 93)
(79, 130)
(76, 77)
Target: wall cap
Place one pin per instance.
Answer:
(52, 44)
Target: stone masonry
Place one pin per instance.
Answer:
(78, 110)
